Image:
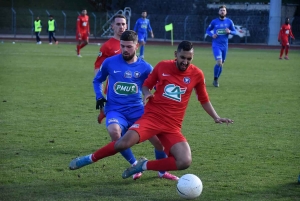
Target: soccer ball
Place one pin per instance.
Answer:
(189, 186)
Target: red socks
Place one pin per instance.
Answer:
(286, 50)
(107, 150)
(281, 52)
(80, 47)
(165, 164)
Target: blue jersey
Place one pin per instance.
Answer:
(142, 25)
(218, 27)
(124, 86)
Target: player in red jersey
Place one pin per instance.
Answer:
(82, 31)
(283, 38)
(175, 80)
(111, 48)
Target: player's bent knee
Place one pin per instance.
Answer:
(120, 145)
(219, 63)
(183, 164)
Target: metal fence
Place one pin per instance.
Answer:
(19, 21)
(185, 27)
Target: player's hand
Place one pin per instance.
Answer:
(100, 103)
(152, 35)
(147, 97)
(223, 120)
(227, 30)
(214, 36)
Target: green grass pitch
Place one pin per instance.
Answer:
(48, 117)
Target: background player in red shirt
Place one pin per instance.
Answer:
(283, 37)
(175, 80)
(111, 47)
(82, 31)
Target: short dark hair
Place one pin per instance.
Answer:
(129, 35)
(185, 46)
(223, 6)
(50, 15)
(118, 16)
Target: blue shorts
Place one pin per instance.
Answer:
(125, 119)
(220, 53)
(142, 37)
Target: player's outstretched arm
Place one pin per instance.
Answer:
(147, 94)
(211, 111)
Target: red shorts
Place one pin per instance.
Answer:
(285, 42)
(84, 36)
(147, 127)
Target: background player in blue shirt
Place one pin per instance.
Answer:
(142, 26)
(123, 103)
(221, 27)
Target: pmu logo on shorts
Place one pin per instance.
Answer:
(113, 120)
(186, 80)
(135, 126)
(174, 92)
(125, 88)
(128, 74)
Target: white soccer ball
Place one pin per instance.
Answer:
(189, 186)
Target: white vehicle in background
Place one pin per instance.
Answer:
(241, 31)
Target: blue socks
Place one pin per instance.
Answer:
(128, 155)
(160, 155)
(142, 50)
(217, 71)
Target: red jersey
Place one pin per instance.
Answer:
(108, 49)
(173, 91)
(285, 32)
(83, 25)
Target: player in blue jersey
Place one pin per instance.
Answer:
(221, 28)
(123, 102)
(142, 26)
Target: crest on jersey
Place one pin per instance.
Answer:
(174, 92)
(99, 54)
(136, 74)
(128, 74)
(186, 80)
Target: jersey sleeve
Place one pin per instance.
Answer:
(152, 79)
(209, 28)
(231, 28)
(78, 27)
(101, 56)
(88, 25)
(149, 26)
(291, 33)
(99, 79)
(200, 89)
